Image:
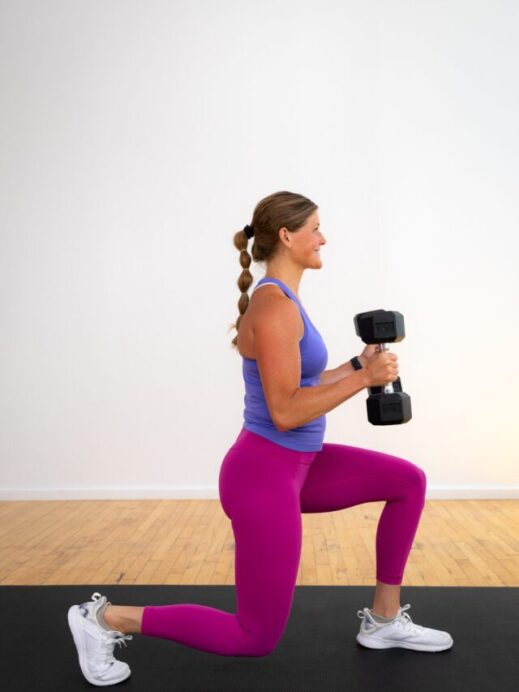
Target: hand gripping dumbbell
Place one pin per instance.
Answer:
(387, 405)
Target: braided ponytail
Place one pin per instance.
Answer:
(245, 279)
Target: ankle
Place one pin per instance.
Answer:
(125, 619)
(111, 620)
(385, 612)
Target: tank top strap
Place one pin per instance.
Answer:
(284, 287)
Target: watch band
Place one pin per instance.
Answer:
(357, 365)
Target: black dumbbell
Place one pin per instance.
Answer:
(387, 405)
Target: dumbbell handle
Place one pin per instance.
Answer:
(388, 388)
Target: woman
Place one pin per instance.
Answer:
(279, 467)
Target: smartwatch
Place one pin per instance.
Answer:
(357, 365)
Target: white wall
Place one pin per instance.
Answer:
(136, 139)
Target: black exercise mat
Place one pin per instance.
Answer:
(318, 651)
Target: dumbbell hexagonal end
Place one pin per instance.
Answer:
(389, 409)
(380, 326)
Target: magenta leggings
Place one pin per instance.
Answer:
(264, 487)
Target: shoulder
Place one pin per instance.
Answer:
(270, 296)
(271, 302)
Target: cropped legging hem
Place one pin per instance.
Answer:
(264, 489)
(394, 581)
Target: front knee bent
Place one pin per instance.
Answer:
(418, 478)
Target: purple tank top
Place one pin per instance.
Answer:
(314, 357)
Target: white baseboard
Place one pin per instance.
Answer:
(434, 492)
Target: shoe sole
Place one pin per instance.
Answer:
(371, 643)
(75, 627)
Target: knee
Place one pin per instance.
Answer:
(266, 646)
(260, 647)
(263, 651)
(418, 479)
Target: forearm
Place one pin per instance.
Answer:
(308, 403)
(339, 373)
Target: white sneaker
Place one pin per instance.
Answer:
(95, 643)
(400, 632)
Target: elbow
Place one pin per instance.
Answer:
(280, 424)
(281, 421)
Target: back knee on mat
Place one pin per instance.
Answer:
(256, 650)
(254, 646)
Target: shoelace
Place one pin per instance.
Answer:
(105, 648)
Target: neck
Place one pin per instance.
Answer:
(290, 280)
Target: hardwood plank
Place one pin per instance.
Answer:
(458, 542)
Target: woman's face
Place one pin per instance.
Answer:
(307, 242)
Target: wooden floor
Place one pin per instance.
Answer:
(458, 543)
